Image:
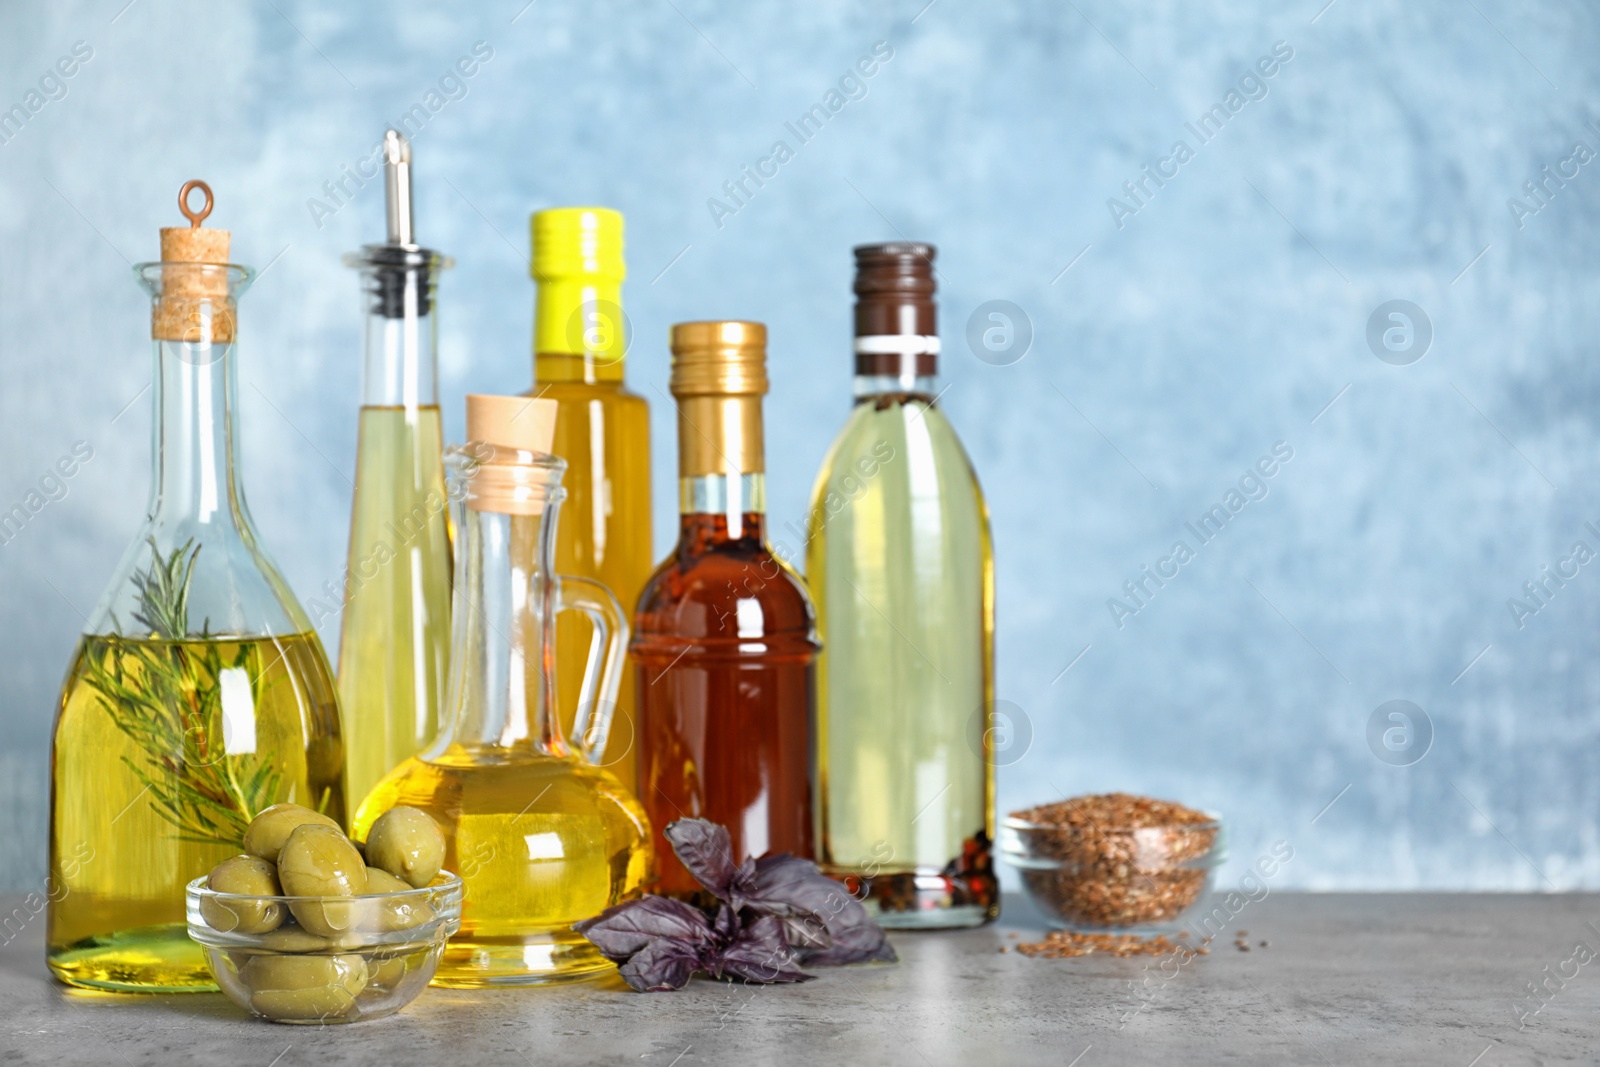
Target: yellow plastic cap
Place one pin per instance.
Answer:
(570, 242)
(577, 259)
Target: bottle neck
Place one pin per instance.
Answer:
(718, 509)
(722, 463)
(400, 365)
(193, 439)
(579, 330)
(870, 386)
(896, 363)
(502, 679)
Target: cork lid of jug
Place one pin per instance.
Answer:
(513, 472)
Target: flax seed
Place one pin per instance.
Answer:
(1120, 860)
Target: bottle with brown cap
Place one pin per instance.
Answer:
(199, 694)
(898, 559)
(725, 638)
(541, 833)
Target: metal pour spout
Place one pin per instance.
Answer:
(397, 187)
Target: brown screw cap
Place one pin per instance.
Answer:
(895, 290)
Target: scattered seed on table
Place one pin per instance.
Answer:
(1062, 944)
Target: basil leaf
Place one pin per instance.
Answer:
(665, 964)
(706, 851)
(630, 927)
(759, 955)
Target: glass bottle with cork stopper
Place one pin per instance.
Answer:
(726, 639)
(541, 834)
(199, 693)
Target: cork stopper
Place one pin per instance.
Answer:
(521, 422)
(194, 305)
(504, 480)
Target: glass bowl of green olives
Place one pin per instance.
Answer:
(309, 927)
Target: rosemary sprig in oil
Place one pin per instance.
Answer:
(166, 692)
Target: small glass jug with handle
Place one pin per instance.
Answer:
(542, 835)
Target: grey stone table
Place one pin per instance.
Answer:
(1345, 979)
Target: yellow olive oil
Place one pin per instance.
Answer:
(394, 647)
(541, 842)
(603, 432)
(163, 752)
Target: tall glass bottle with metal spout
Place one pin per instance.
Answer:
(199, 693)
(394, 643)
(898, 558)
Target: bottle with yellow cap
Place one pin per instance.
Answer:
(541, 834)
(199, 694)
(726, 638)
(602, 431)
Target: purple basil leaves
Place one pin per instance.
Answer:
(776, 914)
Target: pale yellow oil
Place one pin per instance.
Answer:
(394, 646)
(540, 842)
(603, 432)
(117, 866)
(900, 567)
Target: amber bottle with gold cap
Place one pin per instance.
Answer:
(725, 637)
(602, 430)
(541, 835)
(199, 694)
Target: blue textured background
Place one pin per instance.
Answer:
(1228, 313)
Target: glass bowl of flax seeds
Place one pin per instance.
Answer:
(1114, 862)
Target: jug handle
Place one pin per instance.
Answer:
(602, 671)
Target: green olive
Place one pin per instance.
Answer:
(247, 876)
(388, 973)
(408, 844)
(387, 914)
(318, 861)
(292, 937)
(268, 831)
(304, 988)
